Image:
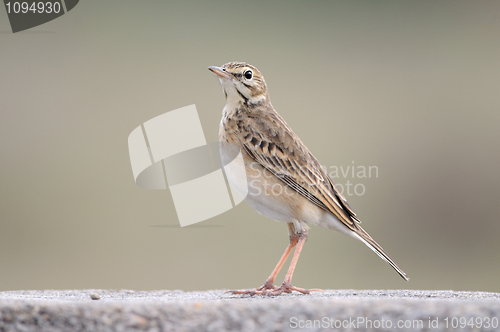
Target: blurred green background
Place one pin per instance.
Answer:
(412, 87)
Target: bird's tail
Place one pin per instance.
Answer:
(367, 239)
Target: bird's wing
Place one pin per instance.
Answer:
(267, 139)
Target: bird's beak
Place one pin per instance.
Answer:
(219, 72)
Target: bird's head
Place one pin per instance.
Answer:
(242, 83)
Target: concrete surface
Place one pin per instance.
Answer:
(352, 310)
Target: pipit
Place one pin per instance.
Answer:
(284, 181)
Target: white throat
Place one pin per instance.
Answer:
(235, 97)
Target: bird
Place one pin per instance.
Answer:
(284, 181)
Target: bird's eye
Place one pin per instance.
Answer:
(248, 74)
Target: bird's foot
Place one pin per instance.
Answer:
(272, 290)
(255, 291)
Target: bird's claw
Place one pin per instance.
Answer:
(273, 290)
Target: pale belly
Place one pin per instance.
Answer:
(272, 198)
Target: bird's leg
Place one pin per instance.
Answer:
(297, 241)
(287, 287)
(269, 284)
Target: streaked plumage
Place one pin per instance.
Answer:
(274, 155)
